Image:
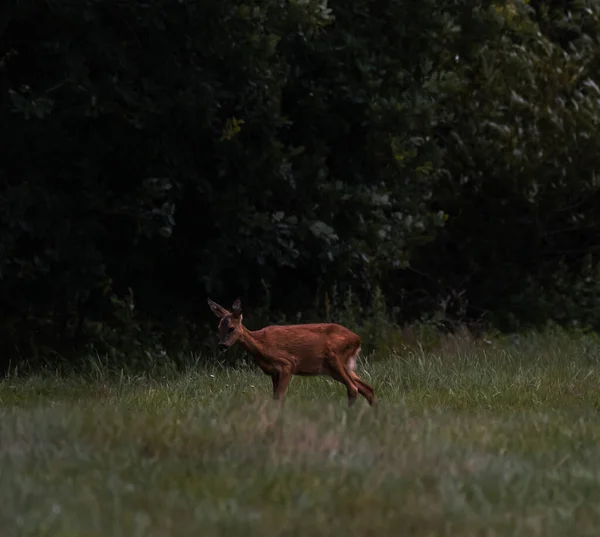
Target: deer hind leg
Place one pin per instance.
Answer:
(339, 373)
(352, 390)
(363, 388)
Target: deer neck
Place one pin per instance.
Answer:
(251, 341)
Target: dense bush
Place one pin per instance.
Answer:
(440, 157)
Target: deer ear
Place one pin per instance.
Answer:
(219, 311)
(237, 308)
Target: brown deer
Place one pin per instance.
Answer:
(301, 349)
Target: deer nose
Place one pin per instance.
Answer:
(223, 347)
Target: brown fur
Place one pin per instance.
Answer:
(301, 349)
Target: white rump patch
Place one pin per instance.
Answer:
(351, 365)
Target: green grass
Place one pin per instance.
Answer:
(491, 440)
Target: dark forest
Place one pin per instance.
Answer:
(383, 163)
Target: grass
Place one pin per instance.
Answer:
(471, 439)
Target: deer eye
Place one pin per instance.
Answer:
(231, 329)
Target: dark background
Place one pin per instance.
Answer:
(406, 162)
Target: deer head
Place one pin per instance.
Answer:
(230, 324)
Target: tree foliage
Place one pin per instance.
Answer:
(157, 151)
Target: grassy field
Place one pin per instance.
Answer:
(492, 439)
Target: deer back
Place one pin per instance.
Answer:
(306, 346)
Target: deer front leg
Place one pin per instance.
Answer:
(275, 379)
(284, 378)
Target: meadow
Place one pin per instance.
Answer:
(489, 438)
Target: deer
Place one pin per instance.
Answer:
(282, 351)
